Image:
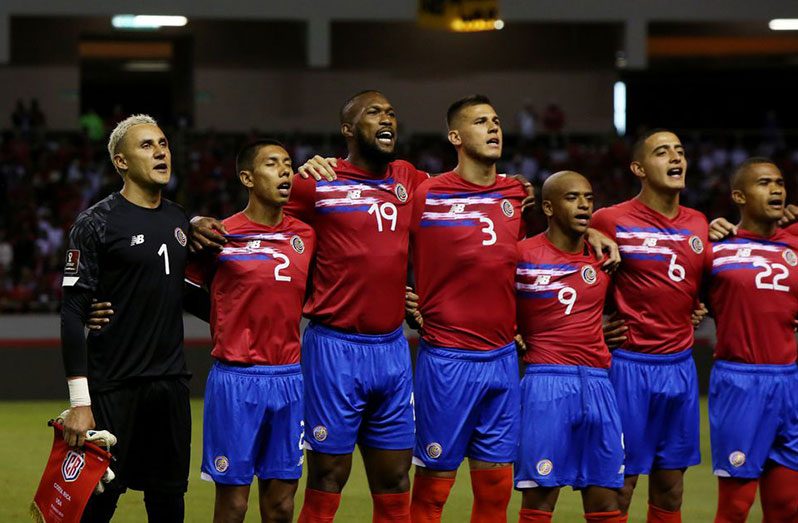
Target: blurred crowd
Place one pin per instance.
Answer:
(47, 178)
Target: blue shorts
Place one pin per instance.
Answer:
(467, 404)
(657, 398)
(358, 390)
(252, 425)
(570, 429)
(753, 417)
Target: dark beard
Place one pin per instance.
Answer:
(371, 153)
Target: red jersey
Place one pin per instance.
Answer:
(754, 297)
(464, 240)
(560, 304)
(656, 287)
(362, 226)
(257, 287)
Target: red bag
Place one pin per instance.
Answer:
(68, 480)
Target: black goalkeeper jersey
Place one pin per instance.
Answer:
(135, 258)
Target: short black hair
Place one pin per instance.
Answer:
(637, 147)
(347, 106)
(246, 156)
(462, 103)
(740, 171)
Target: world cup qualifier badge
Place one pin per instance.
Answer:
(507, 208)
(298, 244)
(696, 244)
(790, 257)
(589, 274)
(181, 236)
(401, 192)
(73, 262)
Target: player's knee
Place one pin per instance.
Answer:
(625, 496)
(328, 479)
(279, 510)
(232, 509)
(391, 482)
(606, 503)
(668, 496)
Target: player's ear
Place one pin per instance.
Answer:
(347, 130)
(548, 208)
(246, 179)
(454, 137)
(120, 162)
(637, 169)
(738, 197)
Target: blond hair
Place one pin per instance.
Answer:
(121, 129)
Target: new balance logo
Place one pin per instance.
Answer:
(136, 239)
(650, 242)
(543, 279)
(458, 208)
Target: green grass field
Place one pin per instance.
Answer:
(25, 444)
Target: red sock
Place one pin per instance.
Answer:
(429, 497)
(613, 516)
(492, 490)
(735, 497)
(624, 518)
(660, 515)
(778, 490)
(391, 508)
(319, 506)
(530, 515)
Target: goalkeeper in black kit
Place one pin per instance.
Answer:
(130, 377)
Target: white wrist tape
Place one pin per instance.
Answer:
(79, 392)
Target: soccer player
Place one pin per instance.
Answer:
(356, 361)
(465, 228)
(253, 420)
(753, 409)
(131, 378)
(655, 292)
(570, 426)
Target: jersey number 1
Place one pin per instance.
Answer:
(163, 251)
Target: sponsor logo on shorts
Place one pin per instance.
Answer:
(507, 208)
(401, 192)
(544, 467)
(72, 465)
(73, 262)
(737, 458)
(589, 274)
(319, 432)
(298, 244)
(181, 237)
(221, 464)
(696, 244)
(434, 450)
(790, 257)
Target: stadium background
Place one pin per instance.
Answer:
(712, 71)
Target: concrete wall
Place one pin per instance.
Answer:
(307, 100)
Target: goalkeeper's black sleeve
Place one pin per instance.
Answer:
(74, 311)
